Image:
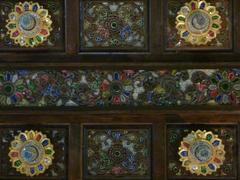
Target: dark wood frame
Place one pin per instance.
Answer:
(156, 58)
(157, 121)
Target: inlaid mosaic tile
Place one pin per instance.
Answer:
(117, 152)
(93, 88)
(201, 151)
(114, 25)
(33, 151)
(28, 24)
(194, 24)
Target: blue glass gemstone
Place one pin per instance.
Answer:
(116, 76)
(127, 93)
(8, 77)
(219, 76)
(216, 143)
(184, 153)
(40, 167)
(35, 8)
(219, 98)
(14, 98)
(211, 166)
(45, 142)
(32, 170)
(202, 6)
(23, 138)
(185, 34)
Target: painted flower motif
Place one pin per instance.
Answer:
(12, 89)
(117, 88)
(201, 152)
(225, 87)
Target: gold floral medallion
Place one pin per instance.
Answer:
(31, 153)
(201, 152)
(29, 24)
(198, 22)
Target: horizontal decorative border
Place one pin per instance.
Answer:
(127, 87)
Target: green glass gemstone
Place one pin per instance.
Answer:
(203, 170)
(209, 137)
(20, 88)
(48, 151)
(215, 17)
(181, 18)
(12, 26)
(17, 163)
(214, 81)
(39, 39)
(215, 26)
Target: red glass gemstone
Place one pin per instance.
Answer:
(18, 10)
(14, 154)
(193, 6)
(211, 33)
(214, 93)
(217, 160)
(231, 76)
(15, 34)
(38, 138)
(44, 32)
(186, 144)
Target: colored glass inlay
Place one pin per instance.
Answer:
(118, 152)
(119, 24)
(208, 153)
(204, 155)
(198, 24)
(126, 87)
(29, 24)
(28, 155)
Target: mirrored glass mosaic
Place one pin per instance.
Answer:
(102, 88)
(111, 24)
(117, 152)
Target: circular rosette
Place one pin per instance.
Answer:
(31, 153)
(201, 152)
(198, 22)
(29, 24)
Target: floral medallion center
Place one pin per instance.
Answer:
(29, 24)
(201, 152)
(31, 153)
(116, 88)
(198, 22)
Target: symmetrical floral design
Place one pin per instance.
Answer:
(29, 24)
(201, 152)
(31, 153)
(198, 22)
(114, 24)
(209, 153)
(118, 152)
(116, 88)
